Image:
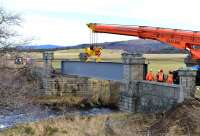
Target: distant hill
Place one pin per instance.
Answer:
(135, 46)
(35, 47)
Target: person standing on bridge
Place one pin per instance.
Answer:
(150, 76)
(160, 76)
(170, 78)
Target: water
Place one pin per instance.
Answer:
(7, 121)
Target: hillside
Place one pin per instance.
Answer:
(135, 46)
(37, 47)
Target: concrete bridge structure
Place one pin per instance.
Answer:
(136, 94)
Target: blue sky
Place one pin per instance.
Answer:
(63, 22)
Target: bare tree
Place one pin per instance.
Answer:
(9, 37)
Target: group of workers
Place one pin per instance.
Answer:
(160, 76)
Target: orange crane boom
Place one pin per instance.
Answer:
(182, 39)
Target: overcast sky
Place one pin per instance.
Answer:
(63, 22)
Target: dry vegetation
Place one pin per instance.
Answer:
(180, 121)
(17, 89)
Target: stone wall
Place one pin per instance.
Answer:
(155, 97)
(146, 96)
(105, 91)
(188, 82)
(66, 85)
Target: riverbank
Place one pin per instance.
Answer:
(22, 100)
(181, 120)
(110, 124)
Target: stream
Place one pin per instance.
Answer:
(7, 121)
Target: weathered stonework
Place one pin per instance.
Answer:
(67, 85)
(134, 67)
(147, 96)
(187, 82)
(128, 103)
(99, 90)
(157, 97)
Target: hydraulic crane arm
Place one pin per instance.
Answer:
(182, 39)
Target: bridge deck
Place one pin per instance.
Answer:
(100, 70)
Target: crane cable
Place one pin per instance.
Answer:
(93, 38)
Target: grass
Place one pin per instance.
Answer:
(156, 61)
(102, 125)
(50, 131)
(20, 131)
(74, 100)
(165, 61)
(165, 64)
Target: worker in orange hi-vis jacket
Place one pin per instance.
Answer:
(150, 76)
(170, 78)
(160, 76)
